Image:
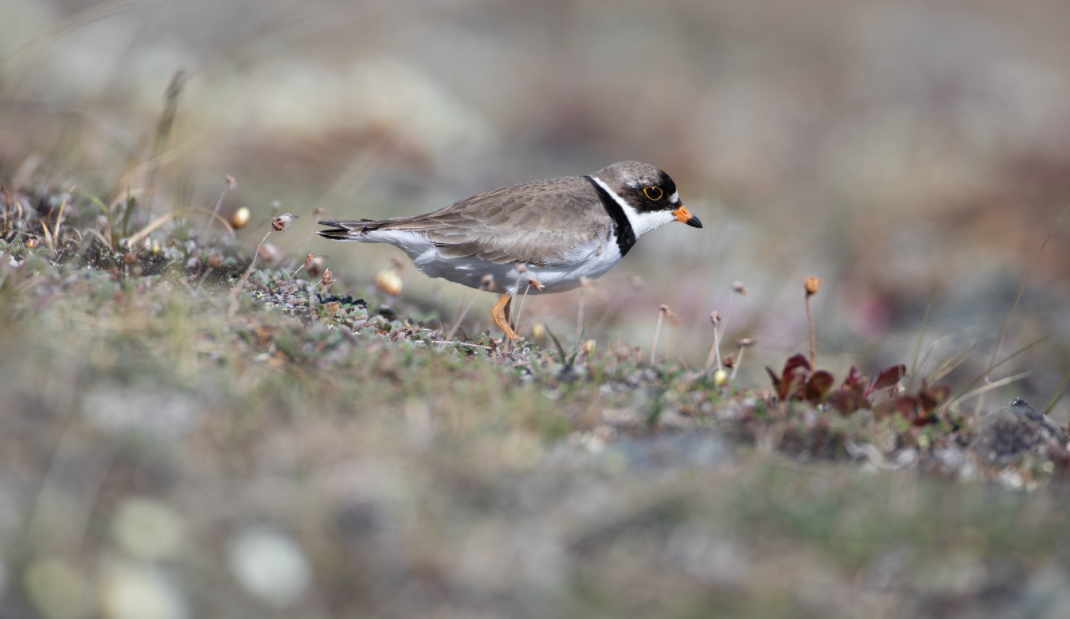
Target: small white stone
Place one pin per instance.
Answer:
(270, 567)
(120, 409)
(132, 591)
(147, 529)
(57, 589)
(1010, 479)
(906, 457)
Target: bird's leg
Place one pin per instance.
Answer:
(500, 313)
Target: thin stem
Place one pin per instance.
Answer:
(727, 316)
(739, 362)
(813, 334)
(466, 344)
(921, 338)
(215, 211)
(200, 282)
(457, 323)
(236, 290)
(520, 307)
(59, 218)
(579, 317)
(715, 351)
(657, 331)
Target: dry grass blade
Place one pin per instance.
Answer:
(59, 218)
(1012, 356)
(227, 186)
(457, 323)
(465, 344)
(1057, 395)
(48, 237)
(1021, 291)
(364, 164)
(715, 350)
(982, 390)
(236, 290)
(952, 362)
(7, 198)
(172, 154)
(76, 21)
(663, 312)
(921, 337)
(133, 192)
(956, 359)
(520, 306)
(140, 235)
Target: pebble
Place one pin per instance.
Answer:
(147, 529)
(270, 567)
(135, 591)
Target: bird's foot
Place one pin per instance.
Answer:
(500, 314)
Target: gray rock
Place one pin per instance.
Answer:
(1015, 430)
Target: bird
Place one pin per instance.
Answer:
(545, 236)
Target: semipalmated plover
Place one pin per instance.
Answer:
(561, 229)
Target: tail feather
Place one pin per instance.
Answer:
(348, 230)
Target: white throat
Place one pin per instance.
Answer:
(641, 222)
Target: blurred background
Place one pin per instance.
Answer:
(914, 155)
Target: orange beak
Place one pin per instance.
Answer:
(685, 216)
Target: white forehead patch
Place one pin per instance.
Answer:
(675, 197)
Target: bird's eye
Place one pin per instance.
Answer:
(654, 193)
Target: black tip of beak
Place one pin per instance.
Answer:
(694, 222)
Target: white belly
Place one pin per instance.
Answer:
(590, 261)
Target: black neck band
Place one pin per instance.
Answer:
(621, 226)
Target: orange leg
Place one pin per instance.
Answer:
(500, 313)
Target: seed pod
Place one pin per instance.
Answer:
(282, 222)
(313, 265)
(388, 281)
(240, 218)
(269, 252)
(813, 284)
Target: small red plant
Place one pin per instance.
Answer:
(918, 409)
(799, 381)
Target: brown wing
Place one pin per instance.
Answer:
(534, 223)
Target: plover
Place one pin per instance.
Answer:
(561, 229)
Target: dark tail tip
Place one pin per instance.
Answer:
(338, 234)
